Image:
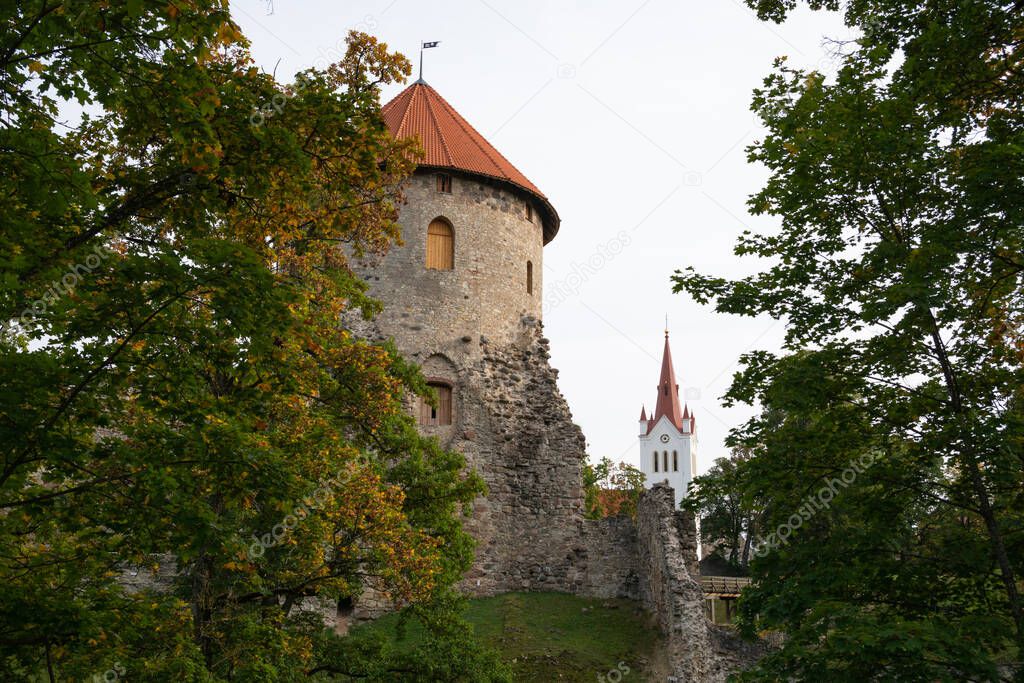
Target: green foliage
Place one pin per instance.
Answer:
(899, 185)
(177, 389)
(729, 519)
(611, 490)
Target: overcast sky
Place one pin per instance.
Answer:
(632, 117)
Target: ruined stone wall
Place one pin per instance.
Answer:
(668, 589)
(609, 558)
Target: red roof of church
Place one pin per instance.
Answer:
(668, 396)
(450, 142)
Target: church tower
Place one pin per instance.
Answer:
(668, 439)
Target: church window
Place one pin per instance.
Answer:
(675, 461)
(655, 461)
(529, 277)
(440, 245)
(444, 183)
(664, 461)
(441, 413)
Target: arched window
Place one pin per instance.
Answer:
(440, 245)
(655, 461)
(675, 461)
(440, 414)
(529, 277)
(664, 461)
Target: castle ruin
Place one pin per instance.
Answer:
(462, 297)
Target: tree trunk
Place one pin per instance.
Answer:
(970, 462)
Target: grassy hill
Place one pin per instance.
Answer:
(547, 637)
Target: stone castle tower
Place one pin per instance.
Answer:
(668, 439)
(462, 297)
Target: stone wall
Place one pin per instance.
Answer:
(668, 589)
(514, 428)
(608, 558)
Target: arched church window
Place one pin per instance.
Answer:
(441, 413)
(440, 245)
(529, 277)
(664, 461)
(655, 461)
(675, 461)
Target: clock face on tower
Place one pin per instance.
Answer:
(664, 438)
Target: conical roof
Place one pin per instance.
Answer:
(449, 142)
(668, 391)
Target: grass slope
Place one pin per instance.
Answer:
(547, 637)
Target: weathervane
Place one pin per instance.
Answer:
(425, 46)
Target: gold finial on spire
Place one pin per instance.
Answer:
(666, 326)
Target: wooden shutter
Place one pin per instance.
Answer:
(440, 415)
(440, 245)
(444, 405)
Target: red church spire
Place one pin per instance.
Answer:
(668, 391)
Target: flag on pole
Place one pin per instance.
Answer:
(424, 46)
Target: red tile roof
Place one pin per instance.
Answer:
(450, 142)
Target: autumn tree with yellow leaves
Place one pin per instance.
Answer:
(178, 397)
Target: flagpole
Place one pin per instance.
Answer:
(421, 60)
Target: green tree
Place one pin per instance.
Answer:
(729, 519)
(897, 268)
(176, 389)
(611, 489)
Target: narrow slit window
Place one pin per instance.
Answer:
(664, 461)
(440, 245)
(655, 461)
(675, 461)
(529, 277)
(444, 183)
(529, 212)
